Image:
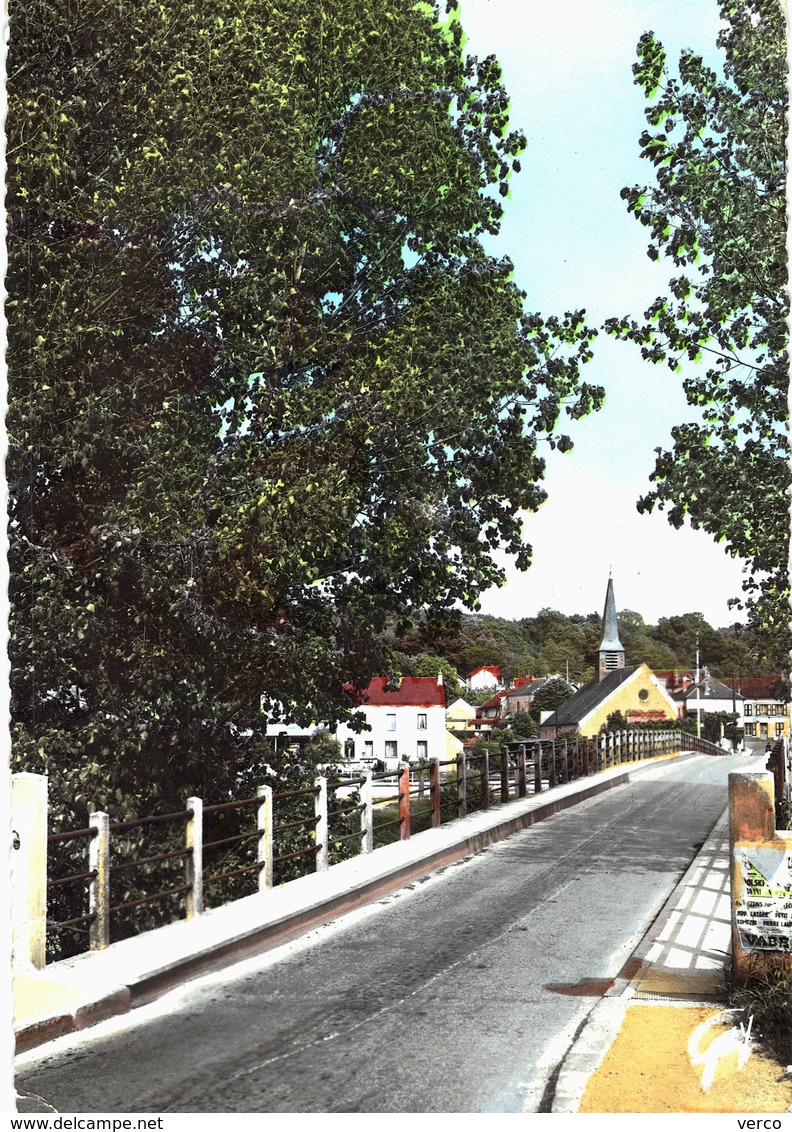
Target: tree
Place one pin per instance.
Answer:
(249, 313)
(616, 721)
(551, 697)
(481, 656)
(323, 747)
(429, 664)
(523, 726)
(717, 209)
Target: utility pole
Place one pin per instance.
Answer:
(734, 715)
(698, 691)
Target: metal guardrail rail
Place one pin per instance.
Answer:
(334, 818)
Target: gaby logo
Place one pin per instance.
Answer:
(737, 1040)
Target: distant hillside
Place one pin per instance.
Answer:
(554, 642)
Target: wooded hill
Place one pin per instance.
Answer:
(554, 642)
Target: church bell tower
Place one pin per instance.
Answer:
(611, 651)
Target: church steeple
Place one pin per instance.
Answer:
(611, 651)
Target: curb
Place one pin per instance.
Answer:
(257, 923)
(603, 1023)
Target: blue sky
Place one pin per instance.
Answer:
(567, 67)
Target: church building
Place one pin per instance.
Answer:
(634, 690)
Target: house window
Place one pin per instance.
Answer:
(750, 729)
(749, 709)
(390, 722)
(390, 749)
(422, 721)
(779, 729)
(368, 749)
(762, 709)
(423, 749)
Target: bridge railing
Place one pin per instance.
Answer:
(701, 746)
(176, 865)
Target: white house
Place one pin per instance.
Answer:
(406, 718)
(486, 676)
(766, 707)
(709, 696)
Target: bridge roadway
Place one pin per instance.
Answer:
(458, 993)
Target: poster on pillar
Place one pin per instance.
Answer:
(763, 909)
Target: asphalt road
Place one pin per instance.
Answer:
(459, 993)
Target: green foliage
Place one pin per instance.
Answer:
(481, 656)
(717, 725)
(249, 309)
(767, 997)
(323, 748)
(551, 697)
(498, 738)
(670, 645)
(429, 664)
(616, 721)
(717, 209)
(523, 726)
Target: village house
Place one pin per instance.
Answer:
(635, 692)
(406, 718)
(488, 715)
(485, 676)
(707, 697)
(459, 716)
(765, 706)
(520, 698)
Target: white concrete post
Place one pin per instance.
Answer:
(322, 825)
(264, 850)
(193, 862)
(99, 892)
(29, 870)
(367, 812)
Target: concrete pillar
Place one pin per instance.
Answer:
(322, 827)
(264, 825)
(29, 870)
(367, 812)
(99, 892)
(194, 862)
(761, 873)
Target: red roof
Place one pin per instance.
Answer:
(756, 687)
(493, 669)
(494, 702)
(413, 691)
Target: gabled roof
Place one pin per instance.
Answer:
(413, 691)
(493, 669)
(756, 687)
(529, 687)
(461, 706)
(707, 689)
(493, 702)
(588, 698)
